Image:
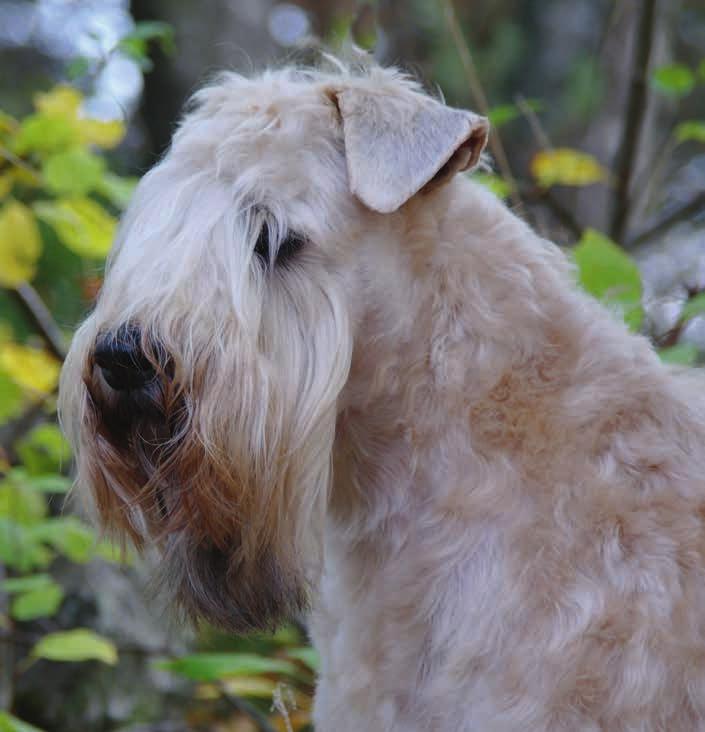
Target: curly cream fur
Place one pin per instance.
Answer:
(493, 494)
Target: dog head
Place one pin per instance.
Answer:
(201, 394)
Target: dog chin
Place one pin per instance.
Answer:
(211, 585)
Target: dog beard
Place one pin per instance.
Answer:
(154, 480)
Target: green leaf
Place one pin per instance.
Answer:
(215, 666)
(67, 535)
(11, 398)
(28, 583)
(692, 130)
(20, 505)
(42, 133)
(675, 80)
(135, 44)
(83, 225)
(364, 26)
(136, 49)
(116, 189)
(50, 483)
(42, 602)
(504, 113)
(155, 30)
(74, 172)
(497, 185)
(7, 123)
(80, 644)
(44, 450)
(18, 550)
(8, 723)
(306, 655)
(607, 273)
(694, 306)
(701, 70)
(682, 354)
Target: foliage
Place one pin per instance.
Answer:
(564, 166)
(676, 80)
(79, 644)
(215, 666)
(8, 723)
(59, 200)
(56, 191)
(607, 273)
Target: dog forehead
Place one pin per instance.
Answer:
(268, 108)
(276, 133)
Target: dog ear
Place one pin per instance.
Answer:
(397, 145)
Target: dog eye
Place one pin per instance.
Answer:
(288, 246)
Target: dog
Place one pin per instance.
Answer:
(328, 370)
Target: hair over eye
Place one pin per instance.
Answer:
(285, 249)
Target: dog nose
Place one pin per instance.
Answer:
(122, 361)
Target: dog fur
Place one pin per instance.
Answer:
(491, 494)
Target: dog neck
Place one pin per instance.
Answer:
(442, 350)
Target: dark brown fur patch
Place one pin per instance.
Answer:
(155, 482)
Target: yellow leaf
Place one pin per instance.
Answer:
(31, 368)
(59, 118)
(83, 225)
(20, 244)
(62, 101)
(105, 134)
(568, 167)
(250, 686)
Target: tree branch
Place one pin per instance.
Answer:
(18, 162)
(39, 314)
(681, 213)
(480, 98)
(634, 120)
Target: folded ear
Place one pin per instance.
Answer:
(398, 144)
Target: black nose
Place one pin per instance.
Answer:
(121, 359)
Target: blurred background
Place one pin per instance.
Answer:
(598, 113)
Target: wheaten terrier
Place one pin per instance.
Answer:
(327, 370)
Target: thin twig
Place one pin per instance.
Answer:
(656, 169)
(686, 211)
(634, 120)
(39, 314)
(244, 707)
(544, 196)
(537, 130)
(480, 99)
(17, 161)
